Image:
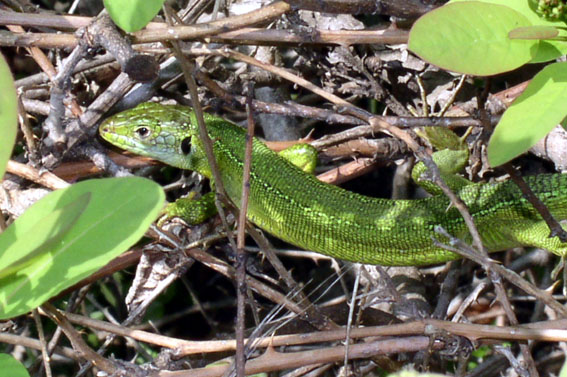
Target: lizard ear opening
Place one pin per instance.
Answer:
(186, 145)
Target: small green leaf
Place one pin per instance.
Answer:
(541, 107)
(117, 215)
(471, 37)
(22, 245)
(534, 32)
(132, 15)
(8, 115)
(548, 50)
(12, 367)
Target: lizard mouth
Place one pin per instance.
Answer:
(107, 132)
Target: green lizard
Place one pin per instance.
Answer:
(298, 208)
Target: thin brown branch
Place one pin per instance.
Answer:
(245, 36)
(241, 253)
(24, 341)
(547, 331)
(44, 352)
(46, 179)
(348, 171)
(274, 361)
(77, 341)
(177, 33)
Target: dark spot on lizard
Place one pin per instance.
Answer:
(186, 145)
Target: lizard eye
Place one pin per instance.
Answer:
(186, 145)
(143, 132)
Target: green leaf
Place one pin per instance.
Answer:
(532, 115)
(12, 367)
(534, 32)
(22, 244)
(471, 37)
(119, 212)
(547, 50)
(132, 15)
(8, 115)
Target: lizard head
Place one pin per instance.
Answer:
(162, 132)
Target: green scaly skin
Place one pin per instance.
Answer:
(303, 211)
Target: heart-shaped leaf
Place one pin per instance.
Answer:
(117, 215)
(471, 37)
